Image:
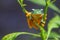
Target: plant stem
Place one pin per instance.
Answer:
(43, 32)
(22, 6)
(45, 13)
(45, 10)
(13, 36)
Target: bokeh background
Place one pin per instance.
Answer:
(12, 19)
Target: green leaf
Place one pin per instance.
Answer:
(54, 35)
(43, 3)
(12, 36)
(54, 22)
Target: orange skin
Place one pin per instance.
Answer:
(35, 18)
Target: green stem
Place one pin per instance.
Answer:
(43, 32)
(22, 6)
(45, 13)
(13, 36)
(45, 10)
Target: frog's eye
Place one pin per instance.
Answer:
(41, 9)
(33, 9)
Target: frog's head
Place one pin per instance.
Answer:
(37, 11)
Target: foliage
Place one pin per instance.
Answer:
(43, 3)
(53, 23)
(53, 35)
(45, 35)
(13, 36)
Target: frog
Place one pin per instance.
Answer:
(35, 16)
